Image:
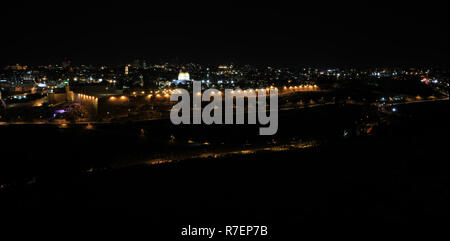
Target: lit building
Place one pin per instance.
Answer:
(183, 76)
(16, 67)
(61, 96)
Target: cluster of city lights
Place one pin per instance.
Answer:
(87, 97)
(114, 98)
(300, 87)
(165, 93)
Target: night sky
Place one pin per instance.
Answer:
(380, 33)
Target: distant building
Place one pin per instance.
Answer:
(16, 67)
(183, 76)
(61, 95)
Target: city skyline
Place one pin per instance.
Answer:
(225, 119)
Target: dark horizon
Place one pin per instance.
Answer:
(320, 34)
